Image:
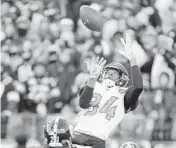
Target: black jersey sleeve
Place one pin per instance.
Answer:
(85, 96)
(134, 91)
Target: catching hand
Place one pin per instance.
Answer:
(127, 43)
(95, 66)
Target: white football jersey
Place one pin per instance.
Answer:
(104, 114)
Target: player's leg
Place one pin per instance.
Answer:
(87, 140)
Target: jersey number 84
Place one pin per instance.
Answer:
(107, 109)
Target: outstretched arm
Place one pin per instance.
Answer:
(133, 92)
(94, 67)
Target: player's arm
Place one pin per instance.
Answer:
(95, 67)
(86, 93)
(132, 94)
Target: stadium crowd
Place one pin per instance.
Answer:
(44, 46)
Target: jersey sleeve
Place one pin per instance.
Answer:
(134, 91)
(85, 93)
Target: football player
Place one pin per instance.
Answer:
(58, 132)
(105, 99)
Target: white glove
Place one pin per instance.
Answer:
(127, 43)
(95, 66)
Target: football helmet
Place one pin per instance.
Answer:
(121, 78)
(58, 133)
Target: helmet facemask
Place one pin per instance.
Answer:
(109, 77)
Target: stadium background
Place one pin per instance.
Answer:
(43, 50)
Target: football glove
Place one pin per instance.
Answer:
(95, 66)
(127, 43)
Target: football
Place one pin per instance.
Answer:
(91, 18)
